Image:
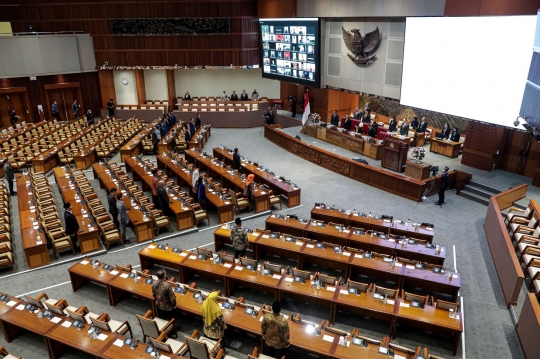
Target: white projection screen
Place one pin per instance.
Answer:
(472, 67)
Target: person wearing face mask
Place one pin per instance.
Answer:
(445, 132)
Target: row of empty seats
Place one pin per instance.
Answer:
(6, 245)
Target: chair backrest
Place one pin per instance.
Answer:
(100, 324)
(148, 326)
(76, 316)
(197, 349)
(276, 268)
(161, 346)
(391, 293)
(326, 279)
(410, 297)
(300, 273)
(441, 304)
(357, 285)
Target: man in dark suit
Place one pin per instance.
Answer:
(89, 117)
(55, 111)
(110, 107)
(455, 135)
(236, 161)
(404, 131)
(347, 123)
(187, 137)
(366, 117)
(443, 185)
(123, 217)
(270, 117)
(373, 129)
(10, 176)
(111, 199)
(72, 226)
(392, 125)
(163, 198)
(445, 132)
(75, 108)
(234, 96)
(367, 108)
(423, 126)
(244, 96)
(192, 126)
(13, 118)
(155, 139)
(357, 114)
(414, 123)
(334, 119)
(198, 121)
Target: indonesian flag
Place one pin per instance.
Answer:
(307, 110)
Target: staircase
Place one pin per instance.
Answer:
(478, 192)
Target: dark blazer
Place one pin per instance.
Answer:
(392, 125)
(244, 97)
(373, 130)
(192, 128)
(187, 97)
(366, 118)
(414, 123)
(55, 108)
(236, 161)
(234, 97)
(187, 136)
(334, 119)
(75, 107)
(422, 127)
(197, 123)
(404, 131)
(443, 183)
(155, 139)
(445, 133)
(347, 124)
(455, 136)
(357, 115)
(8, 172)
(163, 199)
(72, 226)
(112, 205)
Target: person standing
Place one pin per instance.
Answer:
(110, 107)
(455, 136)
(214, 323)
(10, 176)
(155, 185)
(244, 96)
(392, 125)
(366, 118)
(163, 198)
(75, 108)
(164, 296)
(198, 121)
(249, 188)
(187, 96)
(234, 96)
(55, 111)
(334, 119)
(192, 126)
(270, 116)
(357, 114)
(239, 239)
(13, 117)
(89, 117)
(443, 185)
(236, 161)
(155, 140)
(423, 126)
(404, 130)
(201, 193)
(275, 331)
(254, 95)
(347, 123)
(414, 123)
(293, 106)
(224, 96)
(187, 137)
(72, 226)
(123, 217)
(111, 199)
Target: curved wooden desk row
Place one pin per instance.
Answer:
(351, 263)
(291, 192)
(228, 119)
(58, 334)
(120, 285)
(134, 147)
(380, 178)
(167, 142)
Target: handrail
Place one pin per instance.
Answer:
(42, 33)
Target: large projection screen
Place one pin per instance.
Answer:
(472, 67)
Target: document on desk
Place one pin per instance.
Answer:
(398, 264)
(332, 289)
(396, 356)
(102, 336)
(192, 257)
(239, 268)
(152, 246)
(344, 291)
(328, 338)
(266, 236)
(66, 324)
(390, 301)
(288, 279)
(56, 320)
(298, 243)
(20, 307)
(183, 254)
(226, 265)
(114, 272)
(310, 246)
(11, 303)
(124, 275)
(276, 276)
(346, 253)
(358, 256)
(119, 343)
(405, 305)
(409, 267)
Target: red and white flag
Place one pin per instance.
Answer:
(307, 110)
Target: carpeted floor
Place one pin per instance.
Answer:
(489, 331)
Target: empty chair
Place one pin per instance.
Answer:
(415, 298)
(200, 214)
(442, 304)
(167, 345)
(82, 314)
(153, 327)
(390, 293)
(5, 354)
(104, 322)
(274, 200)
(204, 348)
(516, 212)
(239, 202)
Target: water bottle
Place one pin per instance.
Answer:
(385, 299)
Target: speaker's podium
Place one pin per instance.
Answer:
(395, 153)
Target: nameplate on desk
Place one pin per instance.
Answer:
(192, 257)
(183, 254)
(288, 279)
(266, 236)
(114, 272)
(239, 268)
(328, 338)
(227, 202)
(398, 264)
(409, 267)
(298, 243)
(344, 291)
(152, 246)
(346, 253)
(310, 246)
(276, 276)
(405, 305)
(331, 289)
(390, 301)
(358, 256)
(84, 262)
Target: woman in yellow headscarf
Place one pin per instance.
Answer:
(214, 324)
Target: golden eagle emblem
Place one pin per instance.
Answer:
(363, 48)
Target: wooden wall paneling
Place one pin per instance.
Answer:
(528, 327)
(481, 145)
(462, 7)
(517, 143)
(13, 98)
(505, 7)
(141, 89)
(171, 89)
(536, 177)
(533, 158)
(106, 85)
(276, 8)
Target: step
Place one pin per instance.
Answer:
(484, 187)
(474, 197)
(478, 191)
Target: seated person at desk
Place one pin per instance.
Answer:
(404, 131)
(334, 119)
(423, 126)
(187, 96)
(455, 135)
(414, 123)
(347, 123)
(392, 125)
(234, 96)
(373, 129)
(244, 96)
(72, 226)
(445, 132)
(366, 118)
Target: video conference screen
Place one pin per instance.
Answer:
(290, 50)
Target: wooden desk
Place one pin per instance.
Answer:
(222, 236)
(225, 208)
(88, 237)
(327, 233)
(277, 186)
(191, 265)
(310, 342)
(293, 226)
(416, 170)
(61, 337)
(34, 242)
(134, 146)
(122, 285)
(144, 230)
(365, 305)
(151, 255)
(326, 215)
(241, 276)
(113, 351)
(326, 258)
(375, 268)
(82, 272)
(168, 142)
(17, 319)
(430, 319)
(5, 307)
(285, 249)
(434, 282)
(184, 216)
(450, 149)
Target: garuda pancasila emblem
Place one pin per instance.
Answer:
(363, 48)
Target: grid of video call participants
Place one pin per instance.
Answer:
(289, 51)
